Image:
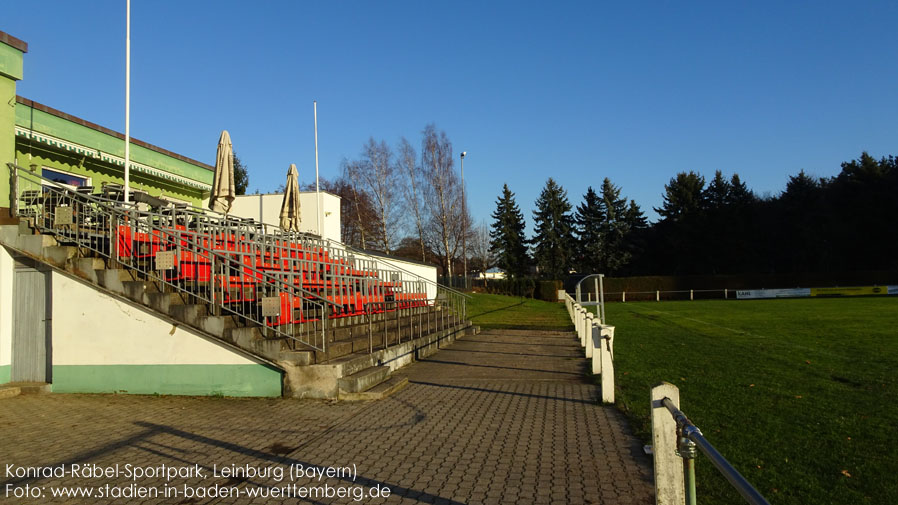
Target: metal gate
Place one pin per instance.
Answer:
(31, 324)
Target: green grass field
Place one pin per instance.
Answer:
(499, 311)
(800, 395)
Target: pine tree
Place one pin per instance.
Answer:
(554, 240)
(614, 229)
(683, 196)
(717, 195)
(507, 241)
(589, 218)
(739, 192)
(241, 176)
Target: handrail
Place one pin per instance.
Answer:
(108, 229)
(397, 267)
(597, 340)
(691, 432)
(676, 437)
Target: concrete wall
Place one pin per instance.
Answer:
(104, 345)
(6, 272)
(267, 209)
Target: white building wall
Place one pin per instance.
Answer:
(267, 209)
(93, 328)
(7, 267)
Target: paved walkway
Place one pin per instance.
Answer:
(501, 417)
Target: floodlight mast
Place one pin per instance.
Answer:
(464, 213)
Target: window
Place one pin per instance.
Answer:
(64, 177)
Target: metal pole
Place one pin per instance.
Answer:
(464, 212)
(317, 188)
(127, 188)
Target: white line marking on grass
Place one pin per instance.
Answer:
(740, 332)
(779, 340)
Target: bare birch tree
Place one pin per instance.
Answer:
(378, 176)
(482, 257)
(352, 173)
(408, 167)
(443, 196)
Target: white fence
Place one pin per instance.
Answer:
(597, 340)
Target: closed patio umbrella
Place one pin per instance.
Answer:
(290, 205)
(223, 192)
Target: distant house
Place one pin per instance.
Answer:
(492, 274)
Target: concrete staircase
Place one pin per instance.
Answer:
(346, 369)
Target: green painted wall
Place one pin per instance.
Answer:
(7, 133)
(4, 373)
(28, 117)
(200, 380)
(99, 172)
(10, 62)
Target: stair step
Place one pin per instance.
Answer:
(34, 244)
(364, 380)
(9, 234)
(86, 268)
(191, 314)
(386, 388)
(250, 338)
(300, 358)
(59, 255)
(163, 302)
(25, 388)
(216, 325)
(7, 391)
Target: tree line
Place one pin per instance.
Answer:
(835, 224)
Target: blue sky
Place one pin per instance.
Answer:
(634, 91)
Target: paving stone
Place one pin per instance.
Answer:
(499, 417)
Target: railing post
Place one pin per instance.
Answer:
(690, 296)
(590, 329)
(725, 293)
(669, 485)
(606, 358)
(582, 327)
(623, 297)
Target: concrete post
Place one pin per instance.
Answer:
(606, 354)
(608, 334)
(670, 488)
(596, 338)
(657, 296)
(583, 328)
(725, 293)
(623, 297)
(590, 329)
(690, 295)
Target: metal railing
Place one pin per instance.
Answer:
(200, 257)
(455, 300)
(288, 283)
(597, 341)
(412, 319)
(675, 440)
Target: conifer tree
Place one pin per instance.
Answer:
(553, 244)
(589, 218)
(614, 229)
(507, 241)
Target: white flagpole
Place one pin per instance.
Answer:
(128, 103)
(317, 188)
